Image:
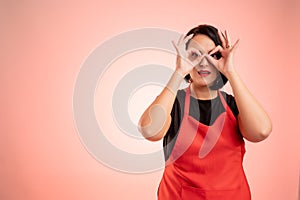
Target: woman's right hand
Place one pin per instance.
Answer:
(183, 64)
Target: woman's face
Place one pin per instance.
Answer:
(204, 73)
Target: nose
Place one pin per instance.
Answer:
(203, 62)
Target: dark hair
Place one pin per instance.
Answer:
(212, 33)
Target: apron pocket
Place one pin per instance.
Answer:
(190, 193)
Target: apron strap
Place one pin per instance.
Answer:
(224, 103)
(187, 101)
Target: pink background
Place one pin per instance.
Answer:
(43, 44)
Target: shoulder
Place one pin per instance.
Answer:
(228, 97)
(230, 100)
(180, 96)
(181, 93)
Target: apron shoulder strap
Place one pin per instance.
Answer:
(187, 101)
(224, 103)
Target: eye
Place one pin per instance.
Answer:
(216, 55)
(194, 55)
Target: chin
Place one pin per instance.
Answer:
(200, 84)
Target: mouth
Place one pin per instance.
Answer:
(204, 73)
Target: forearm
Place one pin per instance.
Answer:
(254, 123)
(156, 119)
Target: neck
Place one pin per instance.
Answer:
(203, 93)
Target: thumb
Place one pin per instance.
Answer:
(212, 61)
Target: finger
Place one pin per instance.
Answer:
(235, 46)
(180, 39)
(222, 38)
(216, 49)
(175, 46)
(226, 43)
(227, 38)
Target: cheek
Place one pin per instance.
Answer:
(194, 73)
(214, 73)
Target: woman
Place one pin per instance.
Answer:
(203, 129)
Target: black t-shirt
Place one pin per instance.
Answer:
(205, 111)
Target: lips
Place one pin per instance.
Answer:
(204, 73)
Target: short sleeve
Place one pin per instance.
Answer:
(232, 104)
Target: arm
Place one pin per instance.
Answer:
(155, 121)
(254, 123)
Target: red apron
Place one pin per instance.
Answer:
(206, 161)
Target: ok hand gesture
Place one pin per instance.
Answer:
(225, 63)
(183, 64)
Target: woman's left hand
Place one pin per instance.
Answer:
(225, 63)
(253, 121)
